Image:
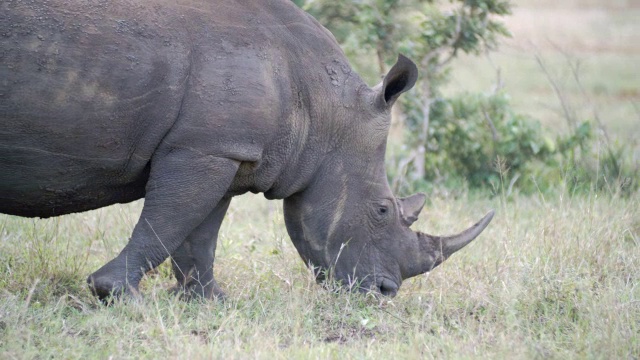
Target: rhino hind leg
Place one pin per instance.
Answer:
(183, 189)
(193, 260)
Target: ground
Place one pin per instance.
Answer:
(554, 275)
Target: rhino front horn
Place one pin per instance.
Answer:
(436, 249)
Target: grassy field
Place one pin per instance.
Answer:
(554, 276)
(551, 277)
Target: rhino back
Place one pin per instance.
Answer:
(265, 81)
(89, 91)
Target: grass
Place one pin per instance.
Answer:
(554, 276)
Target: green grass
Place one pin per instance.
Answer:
(552, 276)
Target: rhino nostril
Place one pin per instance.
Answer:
(388, 288)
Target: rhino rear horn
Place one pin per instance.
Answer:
(410, 207)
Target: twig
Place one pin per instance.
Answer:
(402, 171)
(596, 116)
(185, 276)
(494, 132)
(511, 183)
(395, 317)
(30, 295)
(435, 52)
(566, 107)
(499, 83)
(576, 75)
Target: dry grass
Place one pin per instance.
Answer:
(551, 277)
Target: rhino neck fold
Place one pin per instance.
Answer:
(314, 216)
(305, 142)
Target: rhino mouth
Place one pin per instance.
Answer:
(388, 288)
(382, 285)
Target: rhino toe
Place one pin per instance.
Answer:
(105, 288)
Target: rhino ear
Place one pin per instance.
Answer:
(401, 78)
(410, 207)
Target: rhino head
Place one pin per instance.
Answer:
(347, 223)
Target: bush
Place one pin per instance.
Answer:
(479, 140)
(469, 132)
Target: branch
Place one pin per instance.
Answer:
(436, 52)
(575, 71)
(499, 82)
(494, 132)
(596, 116)
(566, 107)
(452, 42)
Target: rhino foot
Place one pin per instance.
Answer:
(194, 291)
(107, 289)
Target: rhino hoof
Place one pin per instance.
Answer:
(107, 290)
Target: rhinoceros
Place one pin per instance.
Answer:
(187, 103)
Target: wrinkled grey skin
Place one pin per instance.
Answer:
(189, 103)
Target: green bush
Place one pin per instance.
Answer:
(481, 141)
(469, 132)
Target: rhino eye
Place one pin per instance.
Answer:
(383, 211)
(380, 211)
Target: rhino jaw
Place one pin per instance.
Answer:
(436, 249)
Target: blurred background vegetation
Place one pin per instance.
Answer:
(473, 121)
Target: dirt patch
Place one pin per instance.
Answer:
(349, 335)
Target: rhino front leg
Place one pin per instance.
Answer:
(193, 260)
(183, 189)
